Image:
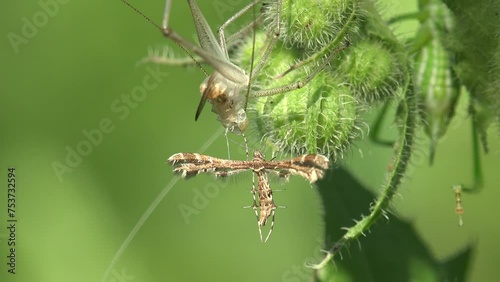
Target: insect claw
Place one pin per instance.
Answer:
(202, 103)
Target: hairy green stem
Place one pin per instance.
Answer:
(403, 150)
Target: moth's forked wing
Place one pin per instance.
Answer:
(192, 164)
(311, 167)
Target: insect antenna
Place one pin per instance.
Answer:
(272, 42)
(250, 75)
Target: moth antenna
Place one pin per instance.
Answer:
(250, 75)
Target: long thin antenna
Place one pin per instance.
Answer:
(251, 61)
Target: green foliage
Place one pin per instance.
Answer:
(476, 39)
(310, 25)
(71, 226)
(323, 116)
(392, 251)
(371, 71)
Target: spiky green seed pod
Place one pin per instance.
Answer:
(434, 79)
(310, 24)
(371, 70)
(322, 117)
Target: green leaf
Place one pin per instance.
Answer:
(455, 267)
(392, 251)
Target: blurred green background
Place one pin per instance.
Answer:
(70, 74)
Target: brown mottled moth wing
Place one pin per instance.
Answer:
(229, 172)
(192, 164)
(311, 167)
(193, 158)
